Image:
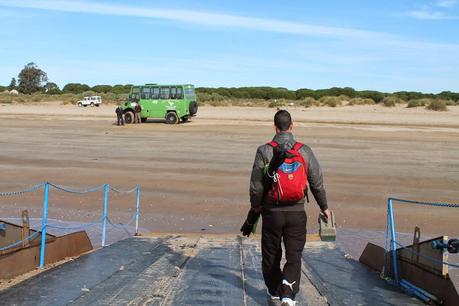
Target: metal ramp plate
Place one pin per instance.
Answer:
(197, 270)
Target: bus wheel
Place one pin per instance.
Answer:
(171, 118)
(193, 108)
(129, 117)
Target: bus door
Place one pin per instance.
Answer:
(157, 110)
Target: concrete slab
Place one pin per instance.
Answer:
(345, 281)
(197, 270)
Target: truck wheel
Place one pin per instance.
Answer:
(80, 104)
(97, 105)
(143, 120)
(171, 118)
(129, 117)
(193, 108)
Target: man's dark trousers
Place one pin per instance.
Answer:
(120, 119)
(289, 227)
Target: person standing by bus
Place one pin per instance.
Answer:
(137, 110)
(119, 116)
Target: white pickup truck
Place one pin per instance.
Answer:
(91, 101)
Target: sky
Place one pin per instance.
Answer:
(388, 45)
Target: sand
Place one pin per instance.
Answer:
(195, 176)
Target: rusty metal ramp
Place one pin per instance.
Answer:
(197, 270)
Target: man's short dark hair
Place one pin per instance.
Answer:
(282, 120)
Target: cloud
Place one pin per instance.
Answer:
(446, 3)
(199, 17)
(437, 10)
(428, 14)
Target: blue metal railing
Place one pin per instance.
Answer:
(392, 244)
(104, 219)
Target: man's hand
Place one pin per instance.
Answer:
(327, 213)
(250, 221)
(246, 229)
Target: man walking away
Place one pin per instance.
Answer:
(137, 110)
(281, 173)
(119, 116)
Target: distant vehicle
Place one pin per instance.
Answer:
(91, 101)
(174, 103)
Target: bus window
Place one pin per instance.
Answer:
(179, 93)
(146, 93)
(134, 97)
(173, 93)
(164, 93)
(189, 91)
(155, 93)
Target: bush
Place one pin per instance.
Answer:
(418, 102)
(219, 103)
(437, 105)
(392, 101)
(330, 101)
(309, 102)
(451, 102)
(276, 103)
(361, 101)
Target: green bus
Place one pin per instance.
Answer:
(174, 103)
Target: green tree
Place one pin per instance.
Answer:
(12, 85)
(102, 88)
(75, 88)
(51, 88)
(121, 89)
(31, 79)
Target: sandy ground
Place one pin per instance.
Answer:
(194, 176)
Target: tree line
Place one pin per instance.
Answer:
(269, 93)
(32, 79)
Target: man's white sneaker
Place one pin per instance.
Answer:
(288, 302)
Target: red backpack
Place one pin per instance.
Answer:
(289, 181)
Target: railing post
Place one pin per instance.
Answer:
(104, 217)
(44, 219)
(137, 211)
(393, 240)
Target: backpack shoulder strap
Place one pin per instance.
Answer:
(297, 146)
(273, 144)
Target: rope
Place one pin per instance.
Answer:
(123, 191)
(30, 237)
(79, 191)
(426, 256)
(121, 225)
(87, 225)
(31, 189)
(453, 205)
